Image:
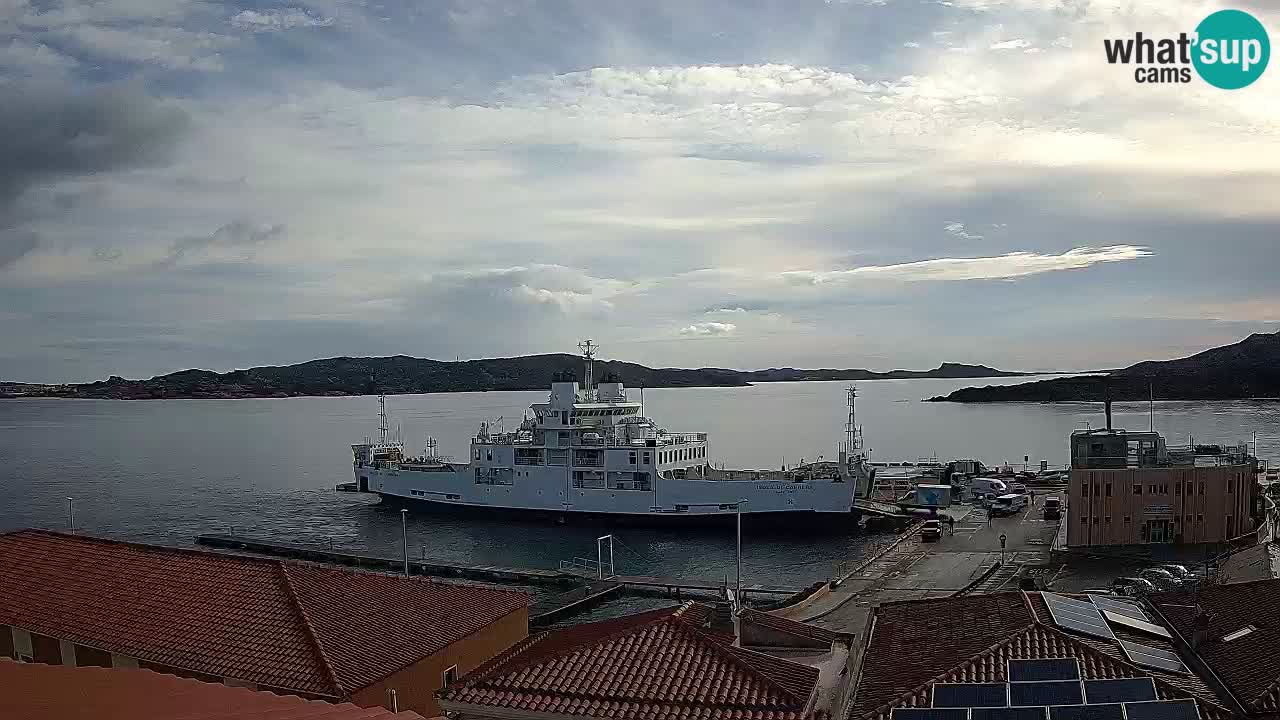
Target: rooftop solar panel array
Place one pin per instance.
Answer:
(1078, 615)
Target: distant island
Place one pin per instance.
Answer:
(405, 375)
(1244, 370)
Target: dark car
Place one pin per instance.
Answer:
(932, 531)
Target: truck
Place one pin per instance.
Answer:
(933, 496)
(1009, 504)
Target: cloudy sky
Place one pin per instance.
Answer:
(858, 183)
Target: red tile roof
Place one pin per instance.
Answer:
(1248, 665)
(915, 644)
(59, 692)
(659, 664)
(786, 625)
(302, 628)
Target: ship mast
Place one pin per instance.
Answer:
(589, 353)
(852, 433)
(382, 418)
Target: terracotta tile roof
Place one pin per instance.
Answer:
(59, 692)
(970, 639)
(302, 628)
(813, 632)
(659, 664)
(1249, 665)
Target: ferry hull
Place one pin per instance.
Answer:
(789, 522)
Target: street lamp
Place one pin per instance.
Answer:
(404, 532)
(738, 509)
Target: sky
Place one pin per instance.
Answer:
(858, 183)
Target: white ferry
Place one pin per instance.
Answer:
(590, 452)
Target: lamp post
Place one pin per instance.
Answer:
(71, 514)
(404, 532)
(1003, 538)
(738, 509)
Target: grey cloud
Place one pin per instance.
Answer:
(240, 234)
(16, 243)
(50, 134)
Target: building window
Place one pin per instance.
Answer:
(1095, 519)
(1126, 519)
(1108, 489)
(1199, 519)
(1151, 489)
(1231, 526)
(1084, 490)
(1084, 520)
(646, 457)
(450, 676)
(1201, 487)
(1177, 489)
(1231, 486)
(1188, 518)
(631, 457)
(1137, 489)
(1107, 519)
(1190, 488)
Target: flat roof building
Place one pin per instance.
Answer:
(1132, 488)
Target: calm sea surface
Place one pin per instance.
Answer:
(165, 470)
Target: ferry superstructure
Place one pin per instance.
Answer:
(589, 451)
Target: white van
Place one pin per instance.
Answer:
(1008, 504)
(980, 486)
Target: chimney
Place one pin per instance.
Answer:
(722, 618)
(1200, 633)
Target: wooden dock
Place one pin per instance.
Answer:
(419, 566)
(550, 609)
(641, 584)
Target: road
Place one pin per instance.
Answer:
(915, 569)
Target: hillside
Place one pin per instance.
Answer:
(402, 374)
(1247, 369)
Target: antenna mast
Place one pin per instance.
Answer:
(589, 353)
(382, 418)
(852, 433)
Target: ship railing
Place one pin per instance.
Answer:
(682, 438)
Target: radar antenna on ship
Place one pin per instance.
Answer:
(852, 433)
(383, 429)
(589, 353)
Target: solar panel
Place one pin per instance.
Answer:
(1133, 610)
(1086, 712)
(1050, 692)
(1153, 657)
(1082, 617)
(1136, 624)
(1118, 691)
(1052, 669)
(1009, 713)
(930, 714)
(953, 695)
(1162, 710)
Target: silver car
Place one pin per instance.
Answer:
(1161, 578)
(1179, 571)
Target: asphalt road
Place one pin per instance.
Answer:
(916, 569)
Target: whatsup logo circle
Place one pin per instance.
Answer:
(1232, 49)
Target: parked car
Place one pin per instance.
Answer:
(932, 531)
(1018, 487)
(1132, 585)
(1161, 578)
(1179, 571)
(1052, 507)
